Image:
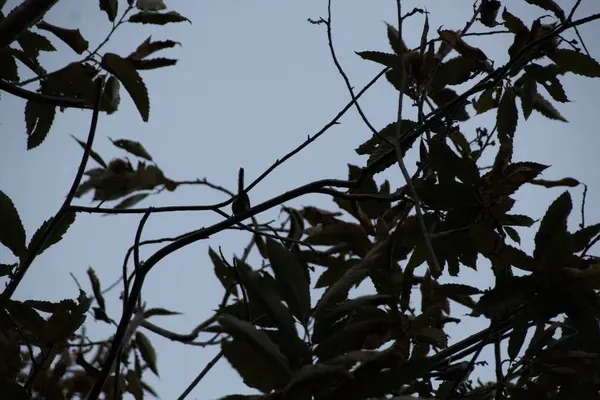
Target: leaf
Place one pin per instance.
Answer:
(444, 96)
(7, 269)
(455, 71)
(146, 351)
(55, 236)
(95, 156)
(549, 5)
(125, 72)
(576, 62)
(517, 337)
(130, 146)
(547, 76)
(257, 339)
(528, 94)
(583, 237)
(131, 201)
(551, 235)
(386, 59)
(153, 63)
(507, 116)
(446, 161)
(32, 43)
(257, 370)
(260, 289)
(95, 282)
(159, 311)
(38, 121)
(395, 40)
(546, 108)
(154, 18)
(12, 232)
(513, 23)
(72, 37)
(149, 47)
(223, 272)
(66, 319)
(134, 385)
(486, 101)
(111, 7)
(353, 276)
(291, 276)
(517, 220)
(512, 233)
(310, 376)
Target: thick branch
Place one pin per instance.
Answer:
(23, 17)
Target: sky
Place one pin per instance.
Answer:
(254, 78)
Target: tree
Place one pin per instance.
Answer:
(451, 212)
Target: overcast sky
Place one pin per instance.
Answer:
(254, 78)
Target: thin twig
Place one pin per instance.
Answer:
(201, 375)
(32, 252)
(434, 266)
(345, 76)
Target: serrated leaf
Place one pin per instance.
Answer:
(72, 37)
(148, 47)
(513, 23)
(583, 237)
(443, 96)
(455, 71)
(125, 72)
(549, 5)
(38, 121)
(396, 43)
(259, 289)
(147, 351)
(257, 339)
(131, 201)
(528, 94)
(153, 63)
(111, 8)
(133, 147)
(546, 108)
(95, 156)
(291, 278)
(12, 232)
(154, 18)
(54, 237)
(95, 282)
(32, 43)
(577, 62)
(352, 276)
(550, 237)
(507, 116)
(151, 312)
(387, 59)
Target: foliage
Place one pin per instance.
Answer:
(281, 337)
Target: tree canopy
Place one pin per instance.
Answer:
(292, 325)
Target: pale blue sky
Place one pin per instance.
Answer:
(253, 79)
